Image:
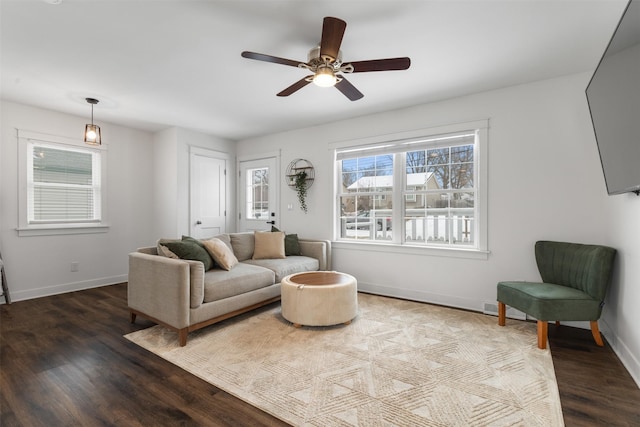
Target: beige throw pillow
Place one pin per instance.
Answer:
(269, 245)
(220, 252)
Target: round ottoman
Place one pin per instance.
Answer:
(319, 298)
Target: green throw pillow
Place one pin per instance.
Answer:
(291, 243)
(191, 239)
(186, 249)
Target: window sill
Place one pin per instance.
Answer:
(60, 229)
(468, 253)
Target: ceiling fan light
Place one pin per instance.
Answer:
(325, 77)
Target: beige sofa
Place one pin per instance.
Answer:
(179, 294)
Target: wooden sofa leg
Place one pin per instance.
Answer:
(182, 336)
(132, 317)
(596, 333)
(542, 334)
(502, 313)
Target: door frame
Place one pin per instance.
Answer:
(220, 155)
(240, 191)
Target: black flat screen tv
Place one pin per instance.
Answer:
(613, 95)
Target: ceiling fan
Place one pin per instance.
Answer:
(326, 64)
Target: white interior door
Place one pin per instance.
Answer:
(207, 193)
(258, 194)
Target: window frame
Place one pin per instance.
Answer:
(478, 251)
(26, 139)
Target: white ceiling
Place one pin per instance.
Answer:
(160, 63)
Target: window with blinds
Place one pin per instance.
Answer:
(63, 184)
(420, 191)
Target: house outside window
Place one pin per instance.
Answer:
(422, 191)
(257, 202)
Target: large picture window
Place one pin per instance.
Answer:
(422, 191)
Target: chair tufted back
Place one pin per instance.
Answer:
(584, 267)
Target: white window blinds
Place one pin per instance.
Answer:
(63, 184)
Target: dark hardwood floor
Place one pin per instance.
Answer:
(63, 361)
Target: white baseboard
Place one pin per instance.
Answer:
(65, 287)
(421, 296)
(625, 355)
(491, 308)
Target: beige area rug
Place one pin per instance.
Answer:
(399, 363)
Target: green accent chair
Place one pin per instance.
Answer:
(575, 279)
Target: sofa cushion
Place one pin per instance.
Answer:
(548, 301)
(219, 284)
(242, 244)
(289, 265)
(226, 239)
(268, 245)
(186, 249)
(221, 253)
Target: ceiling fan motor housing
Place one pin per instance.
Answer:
(314, 57)
(315, 62)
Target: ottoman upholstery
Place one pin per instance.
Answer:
(319, 298)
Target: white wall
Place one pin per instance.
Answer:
(40, 265)
(545, 182)
(622, 313)
(165, 189)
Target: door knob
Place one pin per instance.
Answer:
(271, 222)
(198, 222)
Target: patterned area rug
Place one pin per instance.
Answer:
(399, 363)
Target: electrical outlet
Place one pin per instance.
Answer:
(75, 266)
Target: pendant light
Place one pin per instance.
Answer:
(92, 132)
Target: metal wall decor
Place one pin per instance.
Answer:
(300, 176)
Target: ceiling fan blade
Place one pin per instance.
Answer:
(269, 58)
(381, 65)
(296, 86)
(332, 32)
(348, 89)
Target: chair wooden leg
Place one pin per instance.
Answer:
(132, 317)
(502, 313)
(182, 336)
(596, 333)
(542, 334)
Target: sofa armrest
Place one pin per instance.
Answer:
(159, 287)
(318, 249)
(196, 283)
